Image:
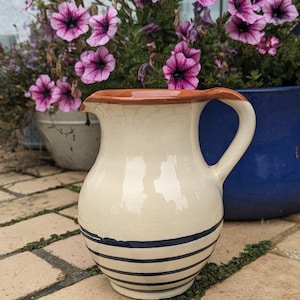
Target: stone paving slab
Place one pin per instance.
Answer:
(22, 159)
(72, 250)
(92, 288)
(44, 170)
(12, 177)
(294, 217)
(290, 247)
(16, 236)
(235, 235)
(70, 212)
(271, 277)
(25, 273)
(26, 206)
(45, 183)
(4, 197)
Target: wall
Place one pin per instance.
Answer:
(11, 14)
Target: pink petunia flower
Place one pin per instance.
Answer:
(28, 3)
(144, 3)
(67, 101)
(245, 32)
(79, 66)
(104, 27)
(70, 22)
(206, 18)
(182, 29)
(257, 4)
(142, 72)
(152, 27)
(181, 72)
(268, 45)
(243, 10)
(96, 66)
(49, 33)
(187, 31)
(279, 11)
(43, 93)
(182, 47)
(206, 3)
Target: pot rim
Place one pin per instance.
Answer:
(269, 89)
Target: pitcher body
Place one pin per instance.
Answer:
(151, 209)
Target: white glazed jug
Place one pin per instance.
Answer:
(150, 209)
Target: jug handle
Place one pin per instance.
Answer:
(244, 134)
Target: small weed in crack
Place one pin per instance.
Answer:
(212, 274)
(40, 213)
(45, 242)
(73, 188)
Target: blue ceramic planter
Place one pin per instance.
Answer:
(266, 181)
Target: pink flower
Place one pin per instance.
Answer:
(257, 4)
(245, 32)
(243, 10)
(143, 3)
(218, 63)
(181, 72)
(187, 31)
(206, 18)
(49, 33)
(70, 22)
(142, 72)
(79, 66)
(206, 3)
(67, 101)
(182, 47)
(28, 4)
(274, 41)
(43, 93)
(96, 66)
(152, 27)
(279, 11)
(268, 45)
(104, 27)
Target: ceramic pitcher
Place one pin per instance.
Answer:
(150, 209)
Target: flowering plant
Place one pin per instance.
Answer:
(20, 66)
(145, 44)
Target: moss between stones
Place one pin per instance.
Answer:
(212, 273)
(45, 242)
(73, 188)
(40, 213)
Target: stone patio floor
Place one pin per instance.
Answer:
(37, 206)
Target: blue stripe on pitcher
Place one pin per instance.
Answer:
(148, 244)
(185, 279)
(154, 274)
(153, 260)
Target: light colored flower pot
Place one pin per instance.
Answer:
(150, 209)
(30, 137)
(72, 144)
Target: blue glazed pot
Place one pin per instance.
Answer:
(266, 181)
